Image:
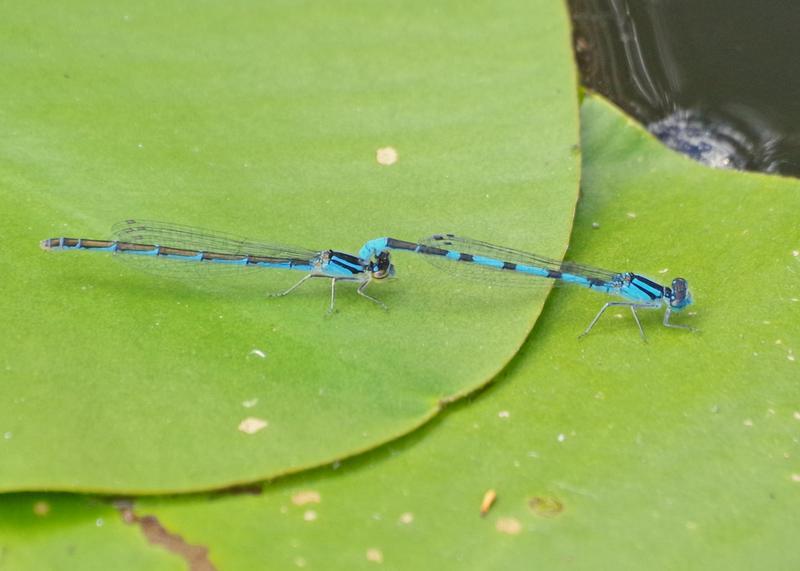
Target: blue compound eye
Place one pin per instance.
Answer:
(680, 293)
(382, 267)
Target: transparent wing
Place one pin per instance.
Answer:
(191, 238)
(471, 270)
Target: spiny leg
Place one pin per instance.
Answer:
(636, 319)
(675, 325)
(596, 318)
(333, 295)
(360, 292)
(619, 304)
(294, 287)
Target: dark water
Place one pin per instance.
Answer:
(718, 80)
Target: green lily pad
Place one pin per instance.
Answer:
(605, 452)
(264, 120)
(49, 531)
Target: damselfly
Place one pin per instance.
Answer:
(216, 250)
(466, 257)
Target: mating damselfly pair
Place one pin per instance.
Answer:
(463, 256)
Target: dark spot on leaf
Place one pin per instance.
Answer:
(196, 556)
(545, 507)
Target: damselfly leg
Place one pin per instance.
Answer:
(360, 292)
(294, 287)
(633, 307)
(675, 325)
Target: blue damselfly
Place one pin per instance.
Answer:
(469, 257)
(214, 251)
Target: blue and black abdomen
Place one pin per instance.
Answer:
(473, 258)
(178, 254)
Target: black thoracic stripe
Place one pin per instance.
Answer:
(348, 258)
(465, 257)
(341, 264)
(555, 274)
(648, 293)
(509, 266)
(656, 286)
(347, 267)
(350, 263)
(651, 283)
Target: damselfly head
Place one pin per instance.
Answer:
(681, 296)
(382, 267)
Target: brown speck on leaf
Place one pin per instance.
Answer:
(508, 525)
(306, 497)
(196, 556)
(251, 425)
(488, 500)
(406, 518)
(386, 156)
(545, 507)
(310, 515)
(41, 508)
(375, 555)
